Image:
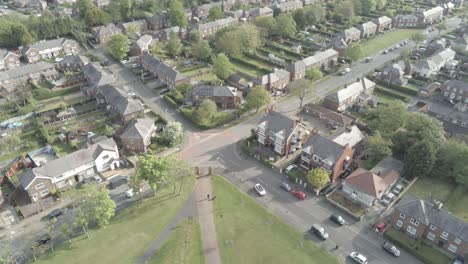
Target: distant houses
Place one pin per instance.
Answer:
(103, 34)
(322, 59)
(209, 28)
(164, 72)
(10, 79)
(8, 60)
(431, 66)
(225, 97)
(50, 49)
(349, 95)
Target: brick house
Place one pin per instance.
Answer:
(419, 219)
(321, 152)
(280, 133)
(432, 15)
(103, 34)
(202, 11)
(255, 12)
(289, 6)
(141, 45)
(95, 77)
(164, 35)
(137, 135)
(141, 25)
(73, 63)
(164, 72)
(277, 80)
(225, 97)
(351, 34)
(49, 49)
(332, 118)
(8, 60)
(455, 90)
(11, 79)
(157, 22)
(209, 28)
(383, 23)
(118, 103)
(367, 29)
(407, 21)
(321, 60)
(349, 95)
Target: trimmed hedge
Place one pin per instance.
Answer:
(43, 94)
(399, 88)
(221, 119)
(262, 58)
(398, 96)
(170, 101)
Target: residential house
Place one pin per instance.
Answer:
(139, 25)
(456, 3)
(141, 45)
(339, 45)
(95, 77)
(157, 21)
(461, 44)
(395, 73)
(331, 118)
(119, 103)
(367, 29)
(225, 97)
(348, 96)
(436, 46)
(383, 23)
(432, 65)
(407, 21)
(351, 34)
(164, 35)
(259, 12)
(137, 135)
(48, 49)
(455, 91)
(321, 60)
(350, 135)
(11, 79)
(321, 152)
(432, 15)
(202, 11)
(67, 171)
(72, 63)
(289, 6)
(420, 219)
(448, 7)
(164, 72)
(240, 83)
(453, 117)
(279, 132)
(31, 6)
(101, 3)
(8, 60)
(103, 34)
(209, 28)
(274, 81)
(188, 14)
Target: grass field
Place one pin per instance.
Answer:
(381, 42)
(183, 246)
(128, 234)
(454, 198)
(248, 233)
(254, 72)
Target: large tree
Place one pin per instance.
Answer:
(215, 13)
(201, 50)
(354, 52)
(267, 25)
(118, 46)
(380, 4)
(417, 38)
(173, 45)
(420, 159)
(387, 119)
(377, 148)
(285, 25)
(205, 111)
(318, 178)
(368, 6)
(238, 39)
(346, 8)
(222, 66)
(299, 89)
(257, 98)
(96, 17)
(452, 162)
(177, 15)
(314, 74)
(172, 133)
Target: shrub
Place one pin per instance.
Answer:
(384, 91)
(171, 101)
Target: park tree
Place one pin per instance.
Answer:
(222, 66)
(377, 148)
(368, 6)
(215, 13)
(201, 50)
(14, 34)
(177, 14)
(300, 18)
(257, 98)
(318, 178)
(95, 17)
(194, 36)
(205, 111)
(66, 232)
(417, 38)
(98, 205)
(387, 119)
(172, 133)
(153, 169)
(420, 159)
(267, 25)
(314, 74)
(451, 162)
(345, 8)
(173, 45)
(380, 4)
(285, 25)
(81, 220)
(308, 16)
(354, 52)
(118, 46)
(299, 88)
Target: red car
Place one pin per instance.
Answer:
(299, 194)
(380, 227)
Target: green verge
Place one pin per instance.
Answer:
(380, 42)
(183, 246)
(249, 233)
(129, 233)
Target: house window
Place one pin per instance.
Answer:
(414, 222)
(402, 215)
(432, 227)
(411, 230)
(452, 248)
(457, 240)
(430, 236)
(39, 185)
(44, 193)
(315, 158)
(444, 235)
(399, 223)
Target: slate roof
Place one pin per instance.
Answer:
(4, 53)
(319, 57)
(433, 11)
(140, 129)
(383, 19)
(371, 183)
(214, 91)
(406, 17)
(325, 148)
(350, 32)
(437, 60)
(25, 70)
(460, 85)
(208, 6)
(140, 24)
(55, 168)
(144, 41)
(278, 74)
(289, 4)
(368, 26)
(388, 164)
(260, 11)
(427, 213)
(119, 100)
(162, 68)
(351, 90)
(156, 19)
(96, 76)
(47, 44)
(278, 123)
(109, 29)
(74, 59)
(332, 115)
(217, 23)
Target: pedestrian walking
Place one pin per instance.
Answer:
(337, 247)
(208, 196)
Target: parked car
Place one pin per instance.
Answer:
(338, 219)
(291, 168)
(327, 189)
(164, 91)
(286, 186)
(358, 258)
(117, 181)
(397, 190)
(380, 227)
(384, 51)
(319, 231)
(259, 189)
(54, 214)
(368, 59)
(388, 198)
(299, 194)
(129, 193)
(43, 239)
(391, 248)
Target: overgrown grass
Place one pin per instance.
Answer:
(351, 206)
(220, 118)
(380, 42)
(248, 233)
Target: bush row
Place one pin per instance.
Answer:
(220, 119)
(41, 93)
(256, 56)
(399, 88)
(170, 101)
(249, 64)
(382, 90)
(289, 52)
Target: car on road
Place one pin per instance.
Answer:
(385, 52)
(43, 239)
(129, 193)
(327, 189)
(291, 168)
(338, 219)
(55, 213)
(397, 190)
(388, 198)
(368, 59)
(117, 181)
(358, 258)
(319, 231)
(391, 248)
(259, 189)
(285, 186)
(299, 194)
(164, 91)
(347, 69)
(380, 227)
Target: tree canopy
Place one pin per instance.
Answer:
(377, 148)
(206, 110)
(172, 133)
(176, 14)
(215, 13)
(318, 178)
(236, 40)
(314, 74)
(451, 162)
(354, 52)
(201, 50)
(257, 98)
(173, 45)
(222, 66)
(118, 46)
(286, 27)
(387, 119)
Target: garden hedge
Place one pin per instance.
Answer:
(382, 90)
(399, 88)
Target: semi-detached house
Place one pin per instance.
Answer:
(169, 76)
(207, 29)
(49, 49)
(8, 60)
(321, 60)
(348, 96)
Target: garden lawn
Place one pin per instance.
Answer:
(381, 42)
(454, 198)
(128, 234)
(254, 72)
(183, 246)
(248, 233)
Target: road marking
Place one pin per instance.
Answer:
(369, 253)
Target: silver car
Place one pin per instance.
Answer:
(286, 186)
